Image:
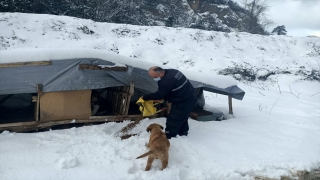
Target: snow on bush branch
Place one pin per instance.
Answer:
(247, 72)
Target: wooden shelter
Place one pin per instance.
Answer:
(40, 94)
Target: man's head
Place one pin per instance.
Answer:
(156, 72)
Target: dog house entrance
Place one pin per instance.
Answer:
(113, 101)
(17, 108)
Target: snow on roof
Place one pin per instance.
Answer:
(43, 54)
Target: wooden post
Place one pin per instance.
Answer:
(130, 93)
(39, 90)
(230, 104)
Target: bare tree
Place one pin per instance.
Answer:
(257, 18)
(174, 12)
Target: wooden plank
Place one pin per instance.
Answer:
(119, 97)
(113, 117)
(30, 63)
(123, 104)
(17, 124)
(116, 102)
(197, 114)
(105, 119)
(126, 105)
(230, 104)
(20, 128)
(131, 90)
(65, 105)
(25, 126)
(121, 107)
(127, 136)
(132, 125)
(95, 67)
(37, 110)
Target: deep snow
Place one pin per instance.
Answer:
(271, 142)
(275, 130)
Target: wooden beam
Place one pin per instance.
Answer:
(95, 67)
(17, 124)
(34, 125)
(230, 104)
(107, 118)
(91, 119)
(127, 136)
(30, 63)
(132, 125)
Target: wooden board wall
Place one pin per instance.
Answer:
(65, 105)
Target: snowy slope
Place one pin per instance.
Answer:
(275, 130)
(205, 51)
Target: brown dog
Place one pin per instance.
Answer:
(159, 146)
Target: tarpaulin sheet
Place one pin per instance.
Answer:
(65, 76)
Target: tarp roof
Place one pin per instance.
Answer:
(64, 73)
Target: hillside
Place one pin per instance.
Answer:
(273, 133)
(217, 15)
(245, 56)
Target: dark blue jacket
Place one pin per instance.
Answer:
(173, 87)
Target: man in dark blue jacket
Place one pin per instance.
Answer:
(174, 88)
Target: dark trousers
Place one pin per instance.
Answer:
(177, 119)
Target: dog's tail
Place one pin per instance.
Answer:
(145, 154)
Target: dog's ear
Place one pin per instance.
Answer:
(148, 129)
(161, 127)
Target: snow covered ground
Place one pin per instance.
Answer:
(279, 139)
(275, 130)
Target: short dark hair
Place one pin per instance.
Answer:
(158, 69)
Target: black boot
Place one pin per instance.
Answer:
(185, 133)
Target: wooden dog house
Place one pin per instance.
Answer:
(60, 90)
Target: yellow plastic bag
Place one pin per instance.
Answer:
(148, 108)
